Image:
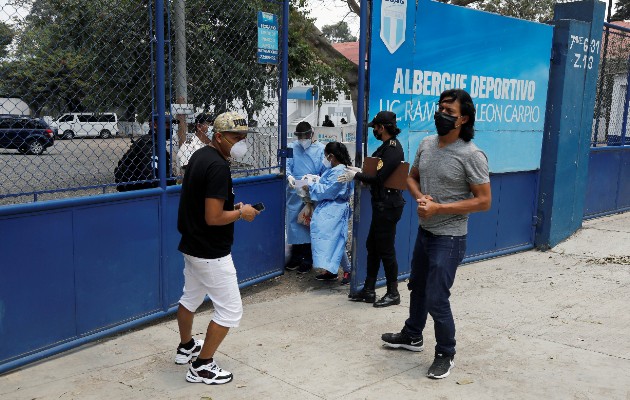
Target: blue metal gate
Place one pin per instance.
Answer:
(77, 269)
(608, 189)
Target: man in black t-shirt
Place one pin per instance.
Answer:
(206, 221)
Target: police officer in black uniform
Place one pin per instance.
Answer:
(387, 208)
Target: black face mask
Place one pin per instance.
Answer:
(377, 135)
(444, 123)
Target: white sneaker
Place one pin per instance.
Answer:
(184, 356)
(210, 374)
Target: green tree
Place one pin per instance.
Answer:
(94, 55)
(6, 37)
(221, 47)
(313, 60)
(338, 33)
(81, 55)
(622, 11)
(533, 10)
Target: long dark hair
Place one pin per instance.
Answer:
(340, 152)
(466, 108)
(393, 130)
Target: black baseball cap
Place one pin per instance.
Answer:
(203, 118)
(383, 118)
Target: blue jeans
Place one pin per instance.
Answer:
(433, 267)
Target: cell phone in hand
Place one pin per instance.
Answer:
(259, 206)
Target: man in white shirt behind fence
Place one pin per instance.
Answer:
(203, 125)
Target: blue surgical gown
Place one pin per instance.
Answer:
(304, 161)
(329, 225)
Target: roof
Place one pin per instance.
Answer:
(350, 50)
(618, 44)
(302, 93)
(625, 24)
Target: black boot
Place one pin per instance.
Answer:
(366, 294)
(391, 298)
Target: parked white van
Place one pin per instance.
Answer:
(102, 125)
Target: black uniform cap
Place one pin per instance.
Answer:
(383, 118)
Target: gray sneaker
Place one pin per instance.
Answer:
(441, 367)
(402, 341)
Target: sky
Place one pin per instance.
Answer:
(7, 11)
(328, 12)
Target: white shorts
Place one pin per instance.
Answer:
(215, 277)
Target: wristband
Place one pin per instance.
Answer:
(240, 213)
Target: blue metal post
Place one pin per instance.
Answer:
(361, 94)
(568, 120)
(160, 88)
(624, 123)
(284, 89)
(284, 81)
(363, 33)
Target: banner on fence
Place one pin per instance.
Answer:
(267, 38)
(502, 62)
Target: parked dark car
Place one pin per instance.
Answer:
(27, 135)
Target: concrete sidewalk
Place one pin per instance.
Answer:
(533, 325)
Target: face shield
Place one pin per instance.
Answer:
(305, 139)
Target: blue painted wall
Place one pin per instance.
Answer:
(75, 270)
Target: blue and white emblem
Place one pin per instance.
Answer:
(393, 23)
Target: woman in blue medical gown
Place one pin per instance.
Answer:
(329, 224)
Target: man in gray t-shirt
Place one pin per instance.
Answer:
(447, 174)
(449, 179)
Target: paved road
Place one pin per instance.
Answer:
(531, 325)
(67, 164)
(85, 162)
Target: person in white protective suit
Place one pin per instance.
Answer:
(329, 225)
(307, 159)
(201, 138)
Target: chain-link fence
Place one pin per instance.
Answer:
(610, 120)
(78, 88)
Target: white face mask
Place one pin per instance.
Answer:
(238, 150)
(326, 162)
(305, 143)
